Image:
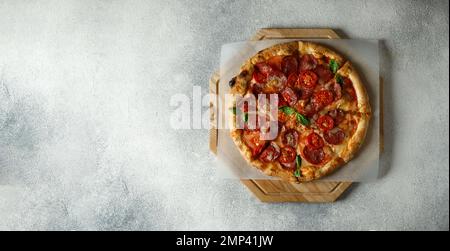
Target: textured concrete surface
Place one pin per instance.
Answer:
(84, 115)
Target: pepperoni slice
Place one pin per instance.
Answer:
(313, 156)
(289, 65)
(289, 96)
(315, 141)
(290, 138)
(325, 122)
(275, 62)
(292, 80)
(307, 62)
(288, 155)
(324, 73)
(253, 140)
(334, 136)
(307, 79)
(323, 98)
(271, 153)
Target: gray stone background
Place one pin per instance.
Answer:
(84, 115)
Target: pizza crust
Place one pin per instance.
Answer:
(347, 70)
(319, 51)
(357, 138)
(309, 172)
(276, 50)
(364, 109)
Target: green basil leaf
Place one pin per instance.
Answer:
(334, 66)
(298, 162)
(287, 110)
(233, 110)
(302, 119)
(339, 79)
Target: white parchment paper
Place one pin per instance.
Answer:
(364, 56)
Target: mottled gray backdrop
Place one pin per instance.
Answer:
(84, 115)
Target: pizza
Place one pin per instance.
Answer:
(322, 111)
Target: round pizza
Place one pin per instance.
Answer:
(319, 111)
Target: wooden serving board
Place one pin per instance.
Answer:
(277, 190)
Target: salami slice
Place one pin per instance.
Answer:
(349, 89)
(338, 115)
(307, 62)
(289, 96)
(271, 153)
(324, 73)
(313, 156)
(334, 136)
(289, 65)
(290, 138)
(337, 90)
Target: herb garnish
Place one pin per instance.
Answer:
(300, 117)
(288, 110)
(334, 66)
(339, 79)
(298, 164)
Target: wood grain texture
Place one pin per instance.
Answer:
(287, 33)
(277, 190)
(319, 193)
